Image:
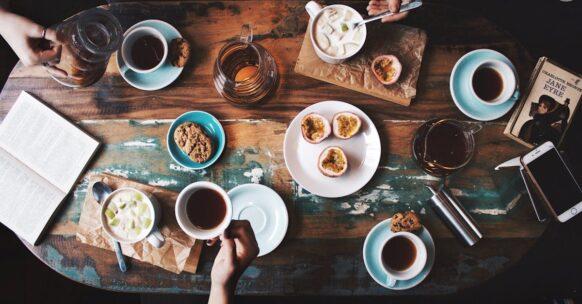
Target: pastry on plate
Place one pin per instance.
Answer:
(191, 138)
(315, 128)
(407, 221)
(333, 162)
(346, 125)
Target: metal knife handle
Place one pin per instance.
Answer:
(119, 254)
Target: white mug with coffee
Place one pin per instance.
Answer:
(129, 215)
(493, 82)
(144, 49)
(203, 210)
(402, 256)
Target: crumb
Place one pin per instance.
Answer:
(407, 221)
(179, 52)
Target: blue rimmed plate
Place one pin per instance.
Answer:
(372, 250)
(164, 75)
(460, 86)
(213, 129)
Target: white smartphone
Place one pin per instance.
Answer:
(556, 182)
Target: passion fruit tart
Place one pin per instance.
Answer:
(333, 162)
(315, 128)
(387, 69)
(346, 125)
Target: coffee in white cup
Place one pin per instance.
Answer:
(203, 210)
(403, 256)
(493, 82)
(144, 49)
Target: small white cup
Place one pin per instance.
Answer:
(315, 10)
(130, 38)
(508, 79)
(152, 235)
(414, 269)
(184, 221)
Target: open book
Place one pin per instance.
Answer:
(41, 157)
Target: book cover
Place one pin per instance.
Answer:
(548, 105)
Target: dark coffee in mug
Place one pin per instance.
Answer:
(487, 83)
(147, 52)
(206, 209)
(399, 253)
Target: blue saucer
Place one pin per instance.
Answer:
(164, 75)
(372, 248)
(213, 129)
(460, 86)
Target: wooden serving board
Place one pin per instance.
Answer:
(406, 43)
(179, 253)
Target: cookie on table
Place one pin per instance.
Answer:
(191, 138)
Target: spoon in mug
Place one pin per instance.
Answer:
(100, 192)
(404, 8)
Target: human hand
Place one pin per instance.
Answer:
(238, 249)
(32, 43)
(376, 7)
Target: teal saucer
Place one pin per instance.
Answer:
(372, 250)
(460, 86)
(164, 75)
(213, 129)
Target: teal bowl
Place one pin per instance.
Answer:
(213, 129)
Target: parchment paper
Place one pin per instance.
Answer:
(179, 253)
(406, 43)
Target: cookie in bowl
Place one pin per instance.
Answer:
(333, 162)
(192, 140)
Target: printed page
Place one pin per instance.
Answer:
(28, 201)
(46, 142)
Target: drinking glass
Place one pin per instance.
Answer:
(87, 41)
(244, 72)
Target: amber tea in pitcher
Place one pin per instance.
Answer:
(444, 146)
(244, 72)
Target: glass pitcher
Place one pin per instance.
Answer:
(88, 39)
(444, 146)
(244, 72)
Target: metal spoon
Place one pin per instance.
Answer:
(100, 192)
(405, 7)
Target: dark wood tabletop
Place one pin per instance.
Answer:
(322, 251)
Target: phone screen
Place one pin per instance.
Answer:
(555, 181)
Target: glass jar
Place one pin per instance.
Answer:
(244, 72)
(88, 39)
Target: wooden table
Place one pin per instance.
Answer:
(321, 253)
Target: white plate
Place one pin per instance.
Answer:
(266, 212)
(363, 153)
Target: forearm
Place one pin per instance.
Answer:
(220, 294)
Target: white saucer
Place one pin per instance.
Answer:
(363, 153)
(266, 212)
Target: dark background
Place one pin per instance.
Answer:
(551, 270)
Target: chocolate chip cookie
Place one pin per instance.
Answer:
(191, 138)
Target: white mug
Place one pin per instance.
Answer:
(152, 235)
(414, 269)
(508, 79)
(184, 221)
(315, 10)
(130, 38)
